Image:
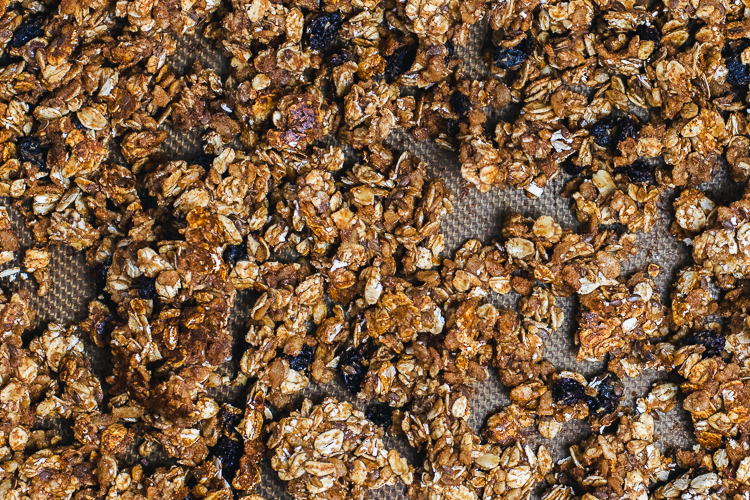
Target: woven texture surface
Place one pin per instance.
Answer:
(476, 215)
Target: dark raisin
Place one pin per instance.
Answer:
(323, 30)
(380, 414)
(738, 74)
(451, 127)
(450, 49)
(234, 253)
(229, 452)
(400, 62)
(460, 103)
(104, 327)
(603, 132)
(31, 150)
(27, 31)
(712, 341)
(352, 368)
(627, 128)
(205, 161)
(148, 202)
(301, 361)
(101, 274)
(567, 391)
(648, 33)
(638, 172)
(507, 58)
(609, 391)
(147, 288)
(339, 59)
(571, 168)
(229, 418)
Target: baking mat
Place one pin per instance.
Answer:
(476, 215)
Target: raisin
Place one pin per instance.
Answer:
(352, 368)
(507, 58)
(460, 103)
(712, 341)
(648, 33)
(339, 59)
(234, 253)
(147, 288)
(101, 274)
(380, 414)
(451, 127)
(400, 62)
(32, 151)
(567, 391)
(571, 168)
(603, 132)
(609, 391)
(27, 31)
(229, 452)
(738, 74)
(205, 161)
(627, 128)
(450, 49)
(301, 361)
(323, 30)
(229, 418)
(638, 172)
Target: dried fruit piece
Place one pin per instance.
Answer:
(713, 341)
(648, 33)
(571, 168)
(27, 31)
(609, 391)
(380, 414)
(626, 128)
(301, 361)
(32, 151)
(147, 288)
(603, 132)
(460, 103)
(234, 253)
(229, 451)
(509, 57)
(638, 172)
(352, 368)
(738, 74)
(567, 391)
(400, 61)
(323, 30)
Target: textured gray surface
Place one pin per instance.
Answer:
(476, 215)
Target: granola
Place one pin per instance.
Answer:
(331, 449)
(299, 203)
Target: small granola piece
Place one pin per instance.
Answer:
(692, 210)
(37, 261)
(332, 449)
(614, 317)
(625, 461)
